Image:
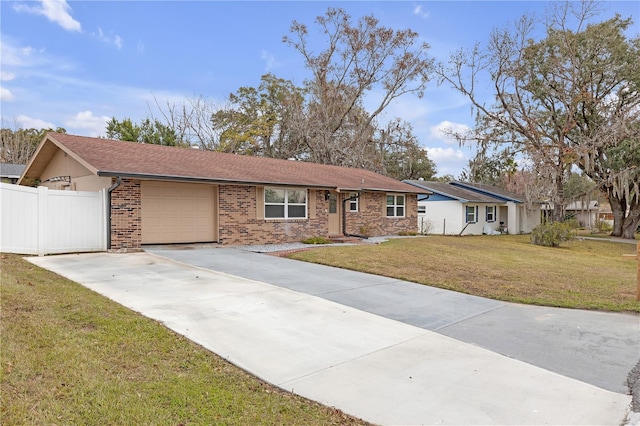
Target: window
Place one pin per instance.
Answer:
(333, 203)
(491, 213)
(353, 204)
(472, 214)
(285, 203)
(422, 209)
(395, 205)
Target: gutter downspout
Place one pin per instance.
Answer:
(116, 184)
(344, 217)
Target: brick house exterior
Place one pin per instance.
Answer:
(163, 194)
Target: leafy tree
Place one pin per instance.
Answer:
(258, 121)
(445, 178)
(148, 131)
(496, 168)
(18, 145)
(403, 157)
(567, 99)
(578, 185)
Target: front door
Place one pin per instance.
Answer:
(334, 214)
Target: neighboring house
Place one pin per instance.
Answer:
(10, 173)
(161, 194)
(605, 214)
(473, 209)
(586, 213)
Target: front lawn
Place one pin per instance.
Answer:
(73, 357)
(585, 274)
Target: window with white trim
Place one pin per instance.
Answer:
(472, 214)
(422, 209)
(490, 213)
(285, 203)
(395, 205)
(353, 204)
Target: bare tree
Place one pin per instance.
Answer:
(17, 145)
(192, 121)
(568, 99)
(359, 58)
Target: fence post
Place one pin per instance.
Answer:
(636, 257)
(43, 198)
(104, 218)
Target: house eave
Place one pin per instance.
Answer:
(196, 179)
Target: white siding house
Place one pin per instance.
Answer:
(457, 208)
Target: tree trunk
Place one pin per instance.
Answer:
(630, 225)
(558, 205)
(624, 224)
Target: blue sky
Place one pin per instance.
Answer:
(76, 64)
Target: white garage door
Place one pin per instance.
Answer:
(178, 212)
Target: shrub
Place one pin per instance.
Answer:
(551, 234)
(604, 227)
(317, 240)
(426, 227)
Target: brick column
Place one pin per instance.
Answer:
(126, 217)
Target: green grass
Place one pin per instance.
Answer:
(587, 274)
(71, 356)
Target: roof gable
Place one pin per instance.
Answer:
(106, 157)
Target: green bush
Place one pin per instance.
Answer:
(317, 240)
(603, 227)
(551, 234)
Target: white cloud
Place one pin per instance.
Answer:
(140, 47)
(6, 76)
(420, 12)
(26, 122)
(443, 131)
(6, 95)
(89, 123)
(20, 56)
(446, 155)
(57, 11)
(270, 60)
(111, 38)
(449, 161)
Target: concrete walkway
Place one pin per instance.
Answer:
(382, 370)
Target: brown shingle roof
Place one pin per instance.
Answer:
(129, 159)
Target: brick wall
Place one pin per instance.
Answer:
(371, 219)
(126, 219)
(239, 223)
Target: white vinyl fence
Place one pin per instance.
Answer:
(45, 221)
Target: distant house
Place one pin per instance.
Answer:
(586, 213)
(473, 209)
(10, 173)
(161, 194)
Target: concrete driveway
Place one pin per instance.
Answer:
(372, 346)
